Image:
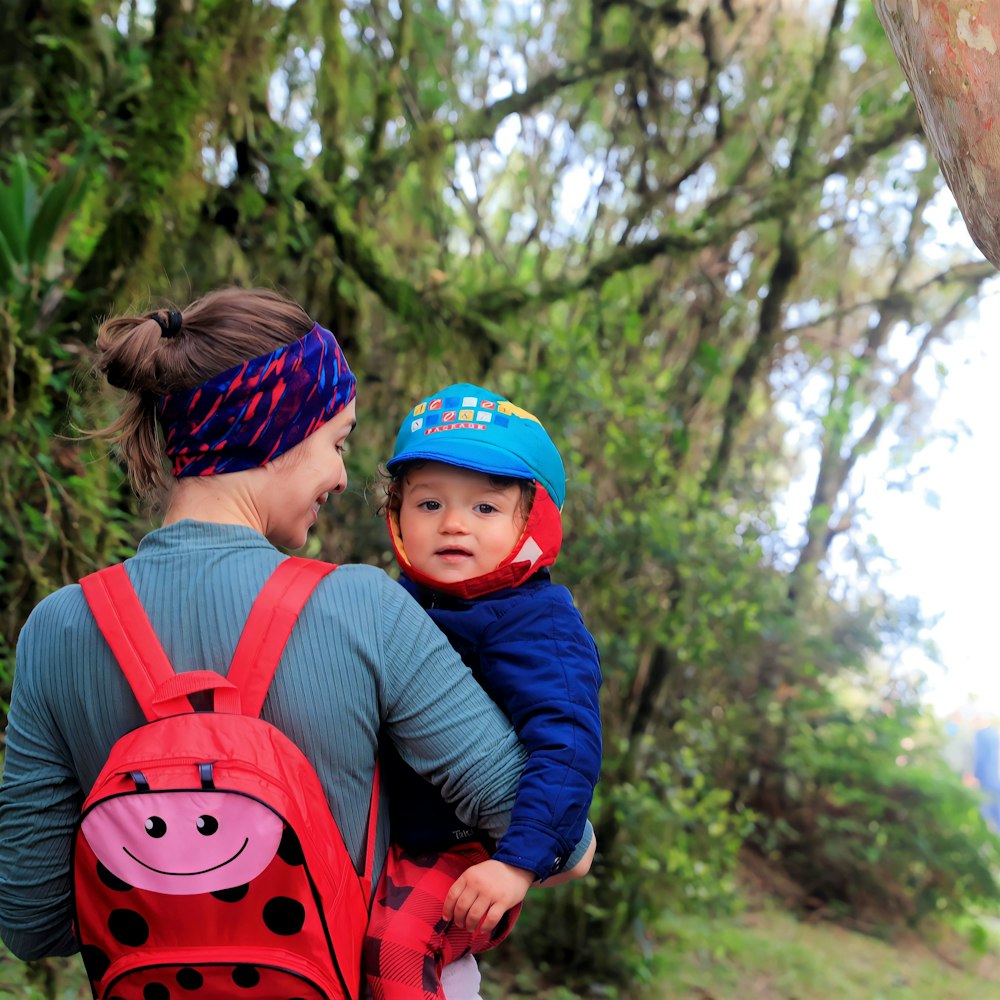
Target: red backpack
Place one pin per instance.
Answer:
(207, 862)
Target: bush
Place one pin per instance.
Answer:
(872, 823)
(668, 843)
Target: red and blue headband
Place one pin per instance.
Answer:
(247, 416)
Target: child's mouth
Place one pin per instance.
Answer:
(454, 554)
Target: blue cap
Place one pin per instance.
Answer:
(473, 428)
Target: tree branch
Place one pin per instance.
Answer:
(482, 124)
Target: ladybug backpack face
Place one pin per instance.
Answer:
(183, 842)
(207, 862)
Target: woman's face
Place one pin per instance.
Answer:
(301, 480)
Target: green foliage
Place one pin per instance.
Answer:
(676, 851)
(57, 517)
(31, 221)
(872, 823)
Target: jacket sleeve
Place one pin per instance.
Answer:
(40, 801)
(541, 664)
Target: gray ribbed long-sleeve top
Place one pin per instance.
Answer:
(363, 657)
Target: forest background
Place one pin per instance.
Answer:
(697, 238)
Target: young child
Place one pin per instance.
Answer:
(473, 501)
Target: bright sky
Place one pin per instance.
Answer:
(944, 534)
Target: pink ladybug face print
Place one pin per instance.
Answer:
(184, 842)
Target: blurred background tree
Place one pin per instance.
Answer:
(704, 241)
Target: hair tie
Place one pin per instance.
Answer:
(170, 326)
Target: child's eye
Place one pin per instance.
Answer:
(429, 505)
(343, 448)
(485, 508)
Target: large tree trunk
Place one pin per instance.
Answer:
(948, 52)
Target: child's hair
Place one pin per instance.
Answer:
(163, 352)
(392, 486)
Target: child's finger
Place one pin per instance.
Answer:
(460, 913)
(458, 887)
(492, 918)
(476, 913)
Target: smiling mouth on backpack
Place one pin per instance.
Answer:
(203, 871)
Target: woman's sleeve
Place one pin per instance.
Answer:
(40, 802)
(442, 722)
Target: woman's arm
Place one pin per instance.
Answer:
(40, 802)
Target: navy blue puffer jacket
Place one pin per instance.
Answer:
(530, 650)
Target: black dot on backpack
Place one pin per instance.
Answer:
(290, 850)
(233, 895)
(190, 979)
(155, 991)
(111, 880)
(128, 927)
(246, 976)
(284, 916)
(94, 960)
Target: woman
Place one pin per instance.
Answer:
(254, 402)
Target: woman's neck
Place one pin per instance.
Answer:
(216, 499)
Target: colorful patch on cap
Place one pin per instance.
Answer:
(481, 430)
(507, 407)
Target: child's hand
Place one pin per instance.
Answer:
(483, 893)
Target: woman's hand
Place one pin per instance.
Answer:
(483, 893)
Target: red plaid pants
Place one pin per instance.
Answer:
(409, 941)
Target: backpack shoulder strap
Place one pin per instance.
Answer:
(272, 617)
(124, 624)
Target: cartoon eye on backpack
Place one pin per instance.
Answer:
(207, 862)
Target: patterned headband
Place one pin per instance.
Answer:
(247, 416)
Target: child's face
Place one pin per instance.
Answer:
(454, 524)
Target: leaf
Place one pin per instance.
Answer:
(58, 204)
(8, 265)
(13, 201)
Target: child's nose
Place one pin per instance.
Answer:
(453, 522)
